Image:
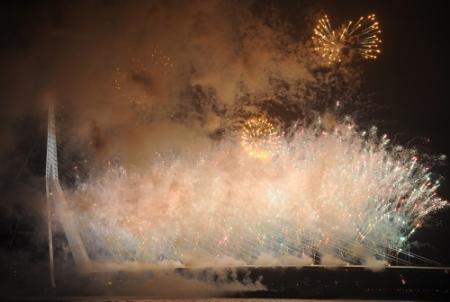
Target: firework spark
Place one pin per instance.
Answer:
(260, 138)
(135, 81)
(343, 194)
(335, 45)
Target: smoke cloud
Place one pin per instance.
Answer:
(148, 93)
(133, 77)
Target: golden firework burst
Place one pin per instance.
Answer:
(260, 138)
(335, 45)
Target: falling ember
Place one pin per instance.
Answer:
(260, 138)
(336, 45)
(131, 81)
(325, 190)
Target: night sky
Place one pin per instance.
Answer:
(406, 90)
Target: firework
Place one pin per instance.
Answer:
(260, 138)
(361, 38)
(343, 194)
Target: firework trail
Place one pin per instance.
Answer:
(261, 194)
(343, 194)
(336, 45)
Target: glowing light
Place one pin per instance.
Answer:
(347, 195)
(260, 138)
(360, 38)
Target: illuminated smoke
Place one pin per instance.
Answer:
(143, 80)
(343, 194)
(337, 194)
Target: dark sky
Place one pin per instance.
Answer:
(410, 84)
(407, 85)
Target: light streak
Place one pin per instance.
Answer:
(260, 138)
(346, 194)
(361, 38)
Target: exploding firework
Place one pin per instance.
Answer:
(337, 193)
(335, 45)
(260, 138)
(345, 195)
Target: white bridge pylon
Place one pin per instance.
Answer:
(57, 205)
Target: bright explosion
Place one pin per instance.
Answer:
(333, 194)
(344, 195)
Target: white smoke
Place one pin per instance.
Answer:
(346, 195)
